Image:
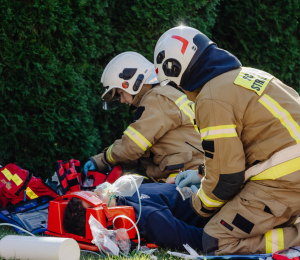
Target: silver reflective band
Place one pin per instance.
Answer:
(152, 78)
(165, 82)
(282, 156)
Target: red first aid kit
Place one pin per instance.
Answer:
(99, 210)
(17, 185)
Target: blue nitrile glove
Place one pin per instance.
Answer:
(187, 179)
(194, 188)
(89, 166)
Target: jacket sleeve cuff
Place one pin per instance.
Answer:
(199, 208)
(95, 164)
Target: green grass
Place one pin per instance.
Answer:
(160, 254)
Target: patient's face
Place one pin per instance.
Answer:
(105, 199)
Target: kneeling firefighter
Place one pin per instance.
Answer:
(249, 123)
(164, 120)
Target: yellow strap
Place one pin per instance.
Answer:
(274, 240)
(283, 115)
(173, 175)
(7, 174)
(31, 194)
(278, 171)
(17, 180)
(253, 79)
(208, 202)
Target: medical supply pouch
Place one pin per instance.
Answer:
(31, 215)
(17, 184)
(69, 175)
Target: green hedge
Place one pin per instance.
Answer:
(52, 55)
(53, 52)
(263, 34)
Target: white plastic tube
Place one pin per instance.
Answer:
(39, 248)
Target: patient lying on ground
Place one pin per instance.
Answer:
(166, 219)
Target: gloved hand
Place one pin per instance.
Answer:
(187, 179)
(194, 188)
(89, 166)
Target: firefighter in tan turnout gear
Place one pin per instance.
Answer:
(164, 120)
(249, 124)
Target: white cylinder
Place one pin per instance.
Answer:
(39, 248)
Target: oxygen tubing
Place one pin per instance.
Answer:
(134, 225)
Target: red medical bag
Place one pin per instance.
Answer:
(97, 178)
(99, 210)
(17, 185)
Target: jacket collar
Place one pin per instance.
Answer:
(138, 97)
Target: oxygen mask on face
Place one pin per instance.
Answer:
(125, 186)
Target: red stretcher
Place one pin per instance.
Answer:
(99, 210)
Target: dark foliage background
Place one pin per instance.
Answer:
(53, 52)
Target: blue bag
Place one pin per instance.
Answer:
(31, 215)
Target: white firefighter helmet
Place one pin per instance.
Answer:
(128, 71)
(176, 52)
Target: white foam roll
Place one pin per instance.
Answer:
(39, 248)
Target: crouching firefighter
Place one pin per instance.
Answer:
(249, 123)
(164, 120)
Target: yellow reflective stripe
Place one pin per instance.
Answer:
(221, 131)
(173, 175)
(17, 180)
(183, 104)
(140, 175)
(193, 107)
(135, 136)
(188, 111)
(7, 174)
(283, 115)
(31, 194)
(274, 240)
(280, 238)
(109, 156)
(181, 100)
(268, 238)
(279, 170)
(208, 202)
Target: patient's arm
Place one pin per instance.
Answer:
(163, 229)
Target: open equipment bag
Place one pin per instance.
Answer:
(31, 215)
(69, 176)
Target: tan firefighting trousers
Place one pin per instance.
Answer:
(259, 219)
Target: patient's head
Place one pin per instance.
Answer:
(74, 217)
(75, 214)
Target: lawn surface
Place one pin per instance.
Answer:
(162, 254)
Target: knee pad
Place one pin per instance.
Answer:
(210, 244)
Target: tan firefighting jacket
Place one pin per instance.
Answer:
(164, 120)
(246, 118)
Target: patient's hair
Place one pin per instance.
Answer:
(74, 217)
